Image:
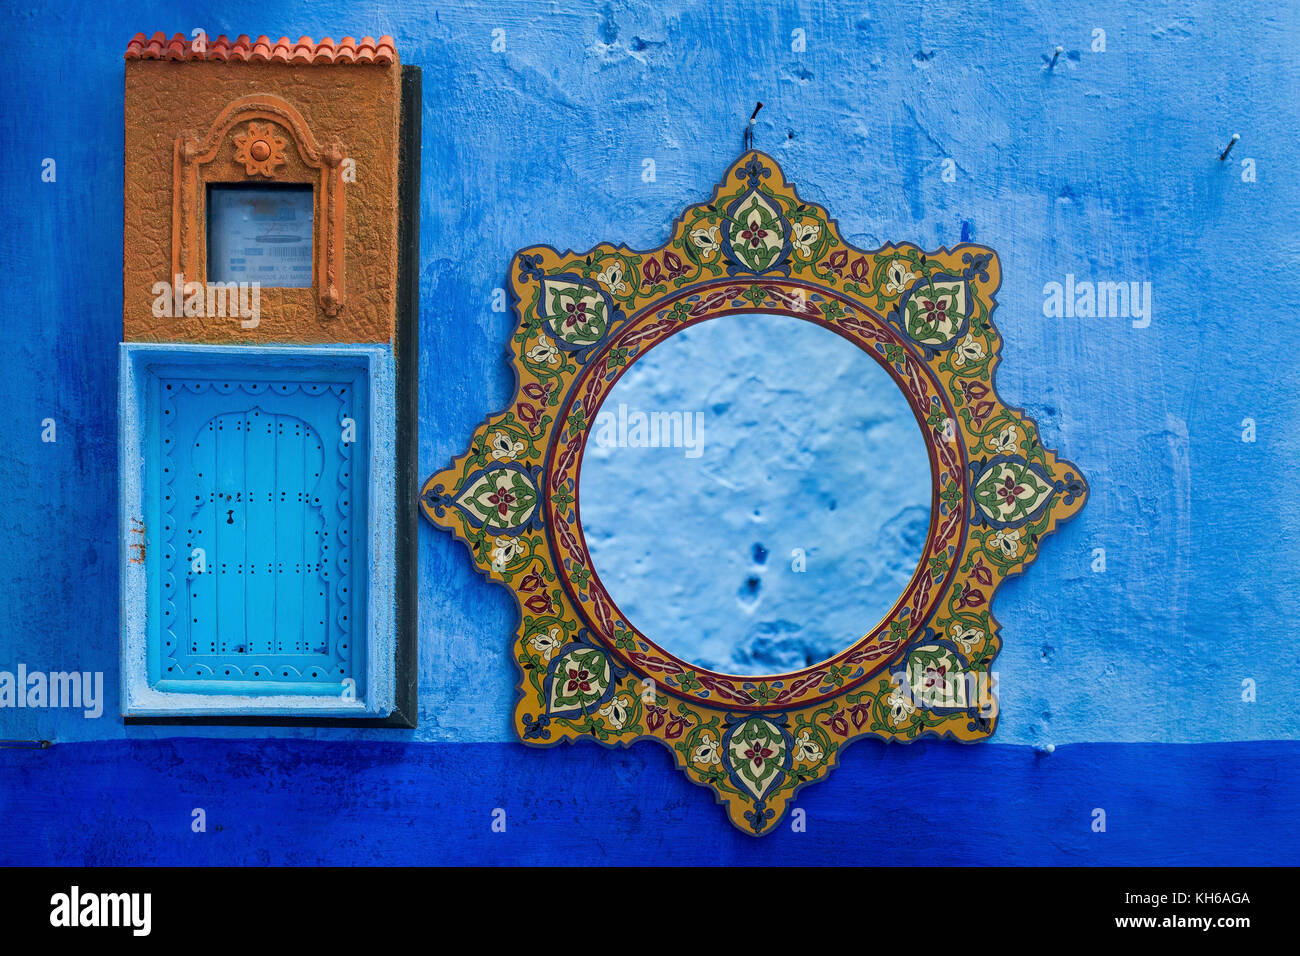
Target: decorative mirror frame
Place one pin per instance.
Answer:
(586, 672)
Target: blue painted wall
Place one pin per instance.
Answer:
(364, 803)
(1104, 167)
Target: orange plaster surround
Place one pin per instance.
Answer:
(332, 126)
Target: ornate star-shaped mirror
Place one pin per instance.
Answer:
(978, 492)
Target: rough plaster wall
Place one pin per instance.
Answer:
(1105, 167)
(355, 105)
(788, 522)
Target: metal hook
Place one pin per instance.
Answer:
(749, 129)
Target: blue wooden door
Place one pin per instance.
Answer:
(256, 503)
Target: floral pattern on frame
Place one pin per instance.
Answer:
(925, 671)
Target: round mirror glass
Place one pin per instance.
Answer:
(755, 494)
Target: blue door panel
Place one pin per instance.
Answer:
(259, 484)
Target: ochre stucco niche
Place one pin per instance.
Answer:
(200, 114)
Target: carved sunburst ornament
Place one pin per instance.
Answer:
(259, 149)
(587, 672)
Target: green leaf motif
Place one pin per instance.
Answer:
(756, 752)
(1010, 492)
(581, 677)
(756, 234)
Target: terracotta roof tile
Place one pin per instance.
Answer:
(263, 49)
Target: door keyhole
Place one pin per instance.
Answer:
(230, 517)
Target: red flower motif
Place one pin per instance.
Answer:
(540, 604)
(654, 716)
(859, 713)
(935, 312)
(755, 233)
(675, 727)
(970, 598)
(973, 390)
(757, 753)
(529, 415)
(673, 263)
(980, 411)
(503, 499)
(980, 572)
(579, 679)
(577, 313)
(837, 261)
(837, 723)
(538, 393)
(859, 270)
(530, 582)
(1009, 491)
(651, 271)
(935, 675)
